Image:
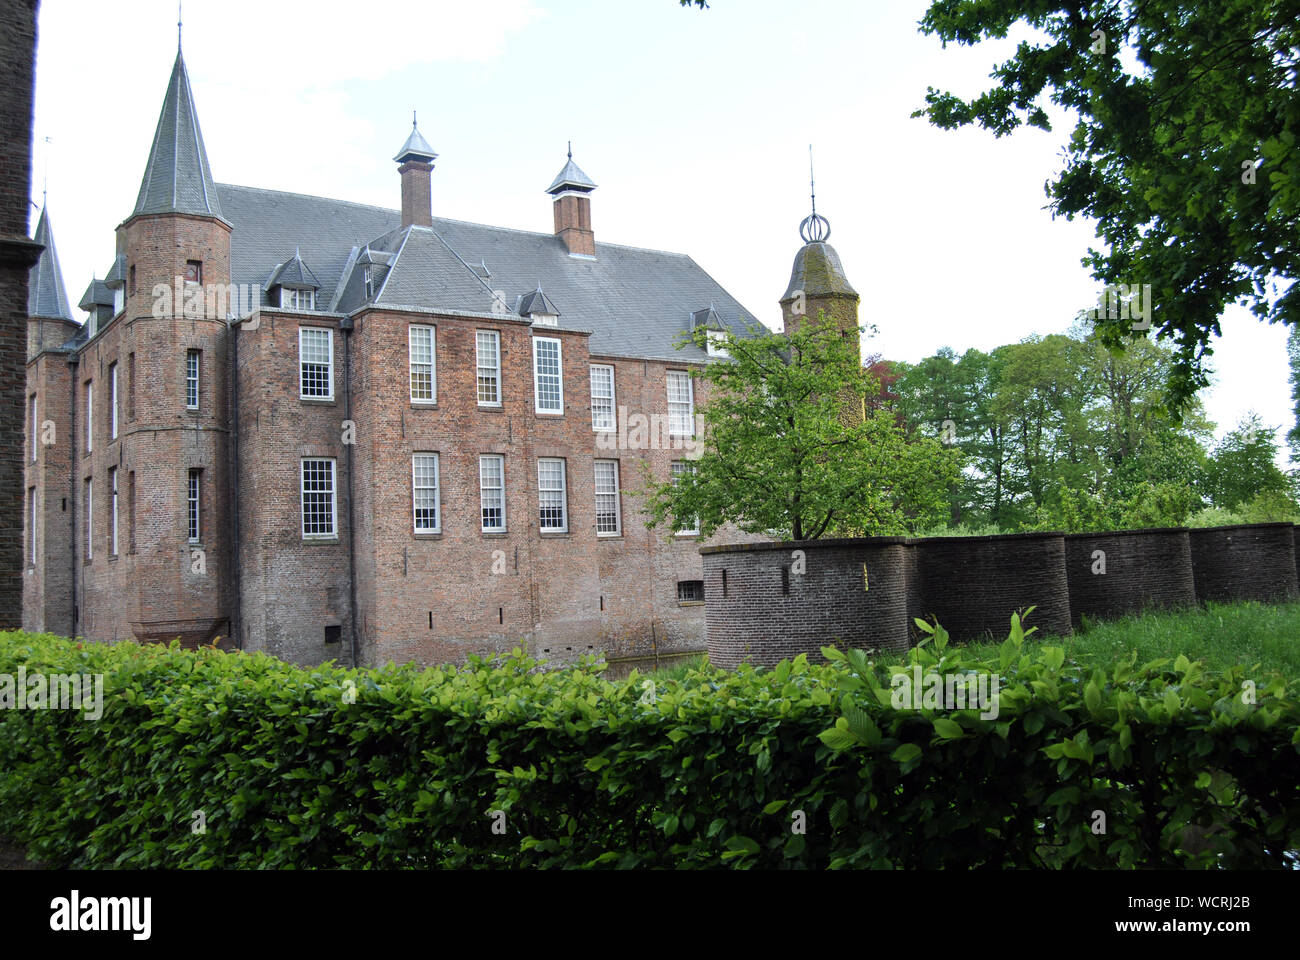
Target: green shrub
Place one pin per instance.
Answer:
(403, 768)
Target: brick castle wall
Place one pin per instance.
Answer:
(762, 609)
(1136, 570)
(1245, 562)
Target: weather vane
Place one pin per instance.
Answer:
(814, 228)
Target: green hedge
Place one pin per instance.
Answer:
(399, 767)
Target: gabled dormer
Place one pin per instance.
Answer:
(710, 321)
(292, 285)
(538, 307)
(97, 301)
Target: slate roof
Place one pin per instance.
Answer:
(634, 302)
(177, 178)
(46, 295)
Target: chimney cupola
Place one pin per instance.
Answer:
(416, 158)
(572, 192)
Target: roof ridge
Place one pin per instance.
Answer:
(469, 223)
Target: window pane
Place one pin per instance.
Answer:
(489, 367)
(607, 512)
(491, 476)
(423, 387)
(314, 351)
(681, 408)
(318, 497)
(550, 486)
(424, 468)
(602, 398)
(546, 374)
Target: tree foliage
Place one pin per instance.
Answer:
(788, 452)
(1184, 151)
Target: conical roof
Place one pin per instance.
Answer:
(571, 178)
(415, 147)
(46, 295)
(817, 272)
(177, 178)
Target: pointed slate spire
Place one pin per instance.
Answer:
(571, 178)
(177, 178)
(415, 147)
(46, 295)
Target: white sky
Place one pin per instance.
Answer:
(696, 125)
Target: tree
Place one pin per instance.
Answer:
(788, 453)
(1244, 467)
(1188, 162)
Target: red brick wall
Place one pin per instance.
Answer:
(47, 583)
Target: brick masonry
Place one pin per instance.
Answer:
(1246, 562)
(1137, 570)
(758, 612)
(17, 254)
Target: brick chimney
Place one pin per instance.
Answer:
(416, 158)
(572, 193)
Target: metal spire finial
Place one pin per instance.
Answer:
(412, 119)
(180, 20)
(570, 149)
(814, 228)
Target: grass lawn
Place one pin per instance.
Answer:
(1220, 635)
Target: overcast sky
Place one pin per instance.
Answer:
(695, 124)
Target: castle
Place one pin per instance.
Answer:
(330, 431)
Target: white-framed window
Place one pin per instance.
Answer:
(488, 347)
(31, 496)
(316, 363)
(119, 300)
(553, 511)
(422, 347)
(90, 416)
(609, 521)
(90, 518)
(291, 299)
(36, 428)
(548, 381)
(112, 400)
(492, 492)
(602, 397)
(368, 278)
(681, 404)
(424, 493)
(679, 469)
(716, 347)
(112, 530)
(191, 379)
(192, 501)
(319, 508)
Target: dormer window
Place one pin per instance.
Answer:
(368, 276)
(545, 319)
(119, 300)
(716, 339)
(297, 299)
